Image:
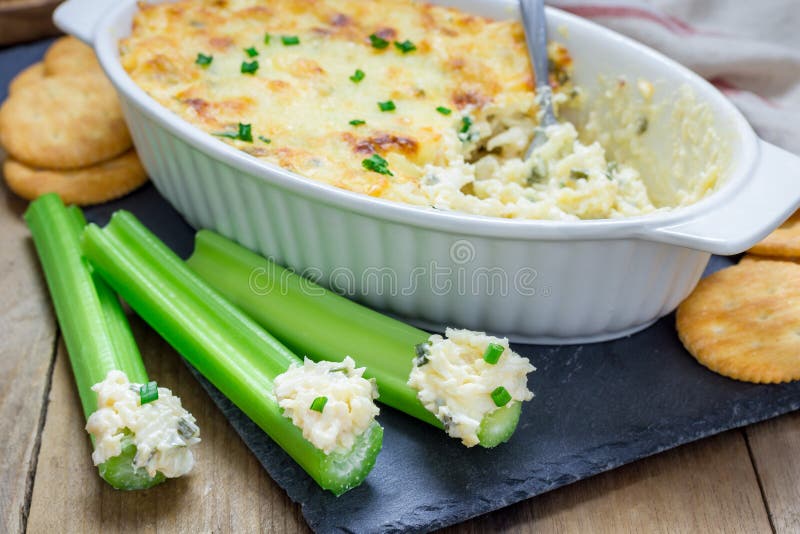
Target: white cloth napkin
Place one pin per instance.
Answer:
(748, 50)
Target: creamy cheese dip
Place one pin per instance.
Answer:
(455, 383)
(349, 408)
(162, 430)
(563, 179)
(432, 106)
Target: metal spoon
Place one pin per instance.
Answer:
(535, 26)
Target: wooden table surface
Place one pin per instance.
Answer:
(741, 481)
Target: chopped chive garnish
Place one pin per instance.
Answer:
(501, 397)
(148, 392)
(641, 125)
(378, 42)
(290, 40)
(466, 124)
(319, 403)
(536, 176)
(421, 349)
(493, 353)
(267, 140)
(186, 428)
(267, 38)
(357, 76)
(577, 174)
(357, 122)
(249, 67)
(376, 163)
(611, 169)
(444, 111)
(243, 133)
(204, 60)
(387, 106)
(405, 47)
(251, 52)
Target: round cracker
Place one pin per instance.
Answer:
(748, 258)
(783, 242)
(26, 77)
(90, 185)
(744, 322)
(64, 122)
(69, 55)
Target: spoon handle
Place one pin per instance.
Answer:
(535, 26)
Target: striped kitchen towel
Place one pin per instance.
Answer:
(748, 50)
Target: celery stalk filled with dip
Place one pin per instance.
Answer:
(322, 414)
(141, 433)
(470, 384)
(473, 383)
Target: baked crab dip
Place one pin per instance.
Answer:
(408, 102)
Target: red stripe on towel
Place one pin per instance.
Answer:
(629, 12)
(728, 88)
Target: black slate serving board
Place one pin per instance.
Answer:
(597, 407)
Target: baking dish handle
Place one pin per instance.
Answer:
(765, 201)
(80, 17)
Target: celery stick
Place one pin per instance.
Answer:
(92, 321)
(312, 321)
(227, 347)
(322, 325)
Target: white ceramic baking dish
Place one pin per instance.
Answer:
(539, 281)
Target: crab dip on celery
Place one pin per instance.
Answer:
(331, 402)
(161, 429)
(467, 383)
(140, 432)
(465, 377)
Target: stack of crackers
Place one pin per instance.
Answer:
(744, 321)
(64, 132)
